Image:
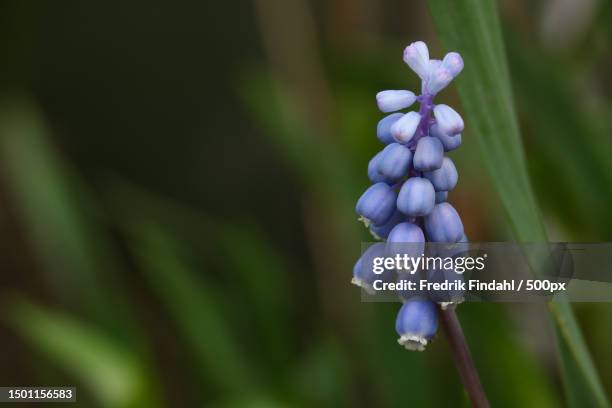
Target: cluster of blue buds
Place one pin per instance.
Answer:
(407, 202)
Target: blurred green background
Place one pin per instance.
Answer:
(177, 184)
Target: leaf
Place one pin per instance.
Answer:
(516, 378)
(258, 276)
(261, 275)
(79, 260)
(322, 165)
(579, 154)
(112, 373)
(196, 306)
(320, 377)
(580, 377)
(472, 28)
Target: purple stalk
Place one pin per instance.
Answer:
(463, 358)
(425, 109)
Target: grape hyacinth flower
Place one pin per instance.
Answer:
(363, 272)
(412, 178)
(416, 323)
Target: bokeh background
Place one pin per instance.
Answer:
(177, 188)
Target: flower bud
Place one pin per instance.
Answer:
(446, 298)
(382, 231)
(395, 161)
(412, 294)
(394, 100)
(445, 178)
(416, 324)
(406, 238)
(377, 204)
(428, 155)
(417, 197)
(453, 63)
(443, 224)
(403, 130)
(364, 273)
(373, 173)
(438, 79)
(416, 55)
(450, 142)
(441, 196)
(383, 130)
(406, 232)
(433, 65)
(449, 122)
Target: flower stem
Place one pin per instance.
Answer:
(463, 358)
(425, 112)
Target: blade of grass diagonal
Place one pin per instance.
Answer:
(486, 98)
(581, 193)
(59, 215)
(113, 374)
(262, 278)
(472, 28)
(195, 306)
(258, 273)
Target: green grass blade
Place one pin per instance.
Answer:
(580, 377)
(578, 154)
(472, 28)
(114, 375)
(59, 216)
(258, 276)
(261, 277)
(196, 307)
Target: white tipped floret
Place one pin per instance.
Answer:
(369, 289)
(413, 342)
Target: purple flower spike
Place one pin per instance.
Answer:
(413, 161)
